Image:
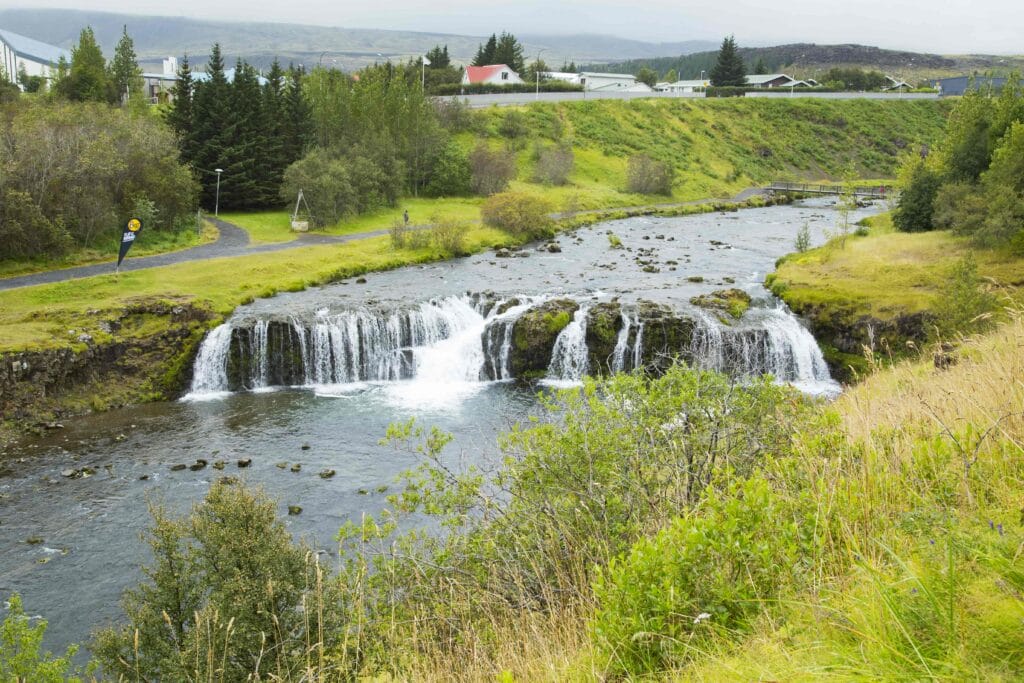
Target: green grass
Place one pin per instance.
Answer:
(42, 316)
(885, 273)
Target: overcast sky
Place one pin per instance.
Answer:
(943, 26)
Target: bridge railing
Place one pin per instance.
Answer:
(812, 188)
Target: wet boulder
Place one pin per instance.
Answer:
(725, 303)
(603, 324)
(667, 335)
(534, 334)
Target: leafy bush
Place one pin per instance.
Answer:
(967, 305)
(803, 238)
(25, 232)
(449, 235)
(553, 85)
(709, 572)
(21, 654)
(519, 214)
(554, 164)
(490, 170)
(450, 174)
(645, 175)
(228, 595)
(917, 201)
(453, 114)
(513, 128)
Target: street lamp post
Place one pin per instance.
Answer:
(216, 204)
(536, 73)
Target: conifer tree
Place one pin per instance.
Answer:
(212, 118)
(244, 160)
(298, 130)
(273, 124)
(86, 80)
(125, 75)
(438, 58)
(179, 116)
(729, 69)
(509, 51)
(486, 54)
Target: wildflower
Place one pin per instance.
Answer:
(1000, 527)
(703, 616)
(991, 525)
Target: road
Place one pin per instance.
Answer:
(503, 100)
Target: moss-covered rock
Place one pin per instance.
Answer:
(603, 324)
(534, 335)
(667, 335)
(724, 302)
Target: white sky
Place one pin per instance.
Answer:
(942, 26)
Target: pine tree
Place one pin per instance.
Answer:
(438, 58)
(86, 80)
(672, 76)
(125, 75)
(298, 128)
(486, 54)
(212, 118)
(179, 116)
(244, 159)
(760, 68)
(729, 69)
(509, 51)
(274, 125)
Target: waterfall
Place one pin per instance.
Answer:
(210, 374)
(621, 345)
(569, 355)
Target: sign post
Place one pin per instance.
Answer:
(128, 235)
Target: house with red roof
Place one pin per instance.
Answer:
(491, 74)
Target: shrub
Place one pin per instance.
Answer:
(517, 213)
(490, 170)
(554, 165)
(453, 114)
(325, 184)
(228, 595)
(449, 235)
(645, 175)
(917, 201)
(21, 654)
(803, 238)
(450, 174)
(25, 232)
(399, 234)
(710, 572)
(513, 128)
(966, 305)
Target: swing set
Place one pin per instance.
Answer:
(301, 223)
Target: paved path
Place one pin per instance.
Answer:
(234, 241)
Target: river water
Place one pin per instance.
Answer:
(69, 546)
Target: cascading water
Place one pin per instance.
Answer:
(569, 355)
(210, 373)
(621, 345)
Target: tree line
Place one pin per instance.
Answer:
(973, 183)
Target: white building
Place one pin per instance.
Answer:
(158, 85)
(683, 86)
(491, 74)
(599, 82)
(19, 52)
(566, 76)
(775, 81)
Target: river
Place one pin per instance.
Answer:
(429, 342)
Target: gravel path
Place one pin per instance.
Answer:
(234, 241)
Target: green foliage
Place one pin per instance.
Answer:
(86, 80)
(449, 235)
(508, 51)
(450, 174)
(25, 233)
(85, 167)
(228, 594)
(124, 74)
(965, 150)
(760, 67)
(966, 306)
(647, 75)
(22, 657)
(487, 53)
(513, 128)
(917, 200)
(729, 68)
(518, 213)
(854, 79)
(710, 572)
(554, 164)
(490, 170)
(645, 175)
(30, 84)
(803, 238)
(438, 57)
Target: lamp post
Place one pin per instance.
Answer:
(536, 73)
(216, 204)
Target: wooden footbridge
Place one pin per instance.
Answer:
(865, 191)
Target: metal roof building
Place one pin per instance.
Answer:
(19, 52)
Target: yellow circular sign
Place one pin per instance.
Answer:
(134, 225)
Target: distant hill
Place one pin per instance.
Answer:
(809, 60)
(259, 43)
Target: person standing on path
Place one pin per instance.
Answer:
(406, 217)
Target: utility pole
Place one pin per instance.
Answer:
(216, 204)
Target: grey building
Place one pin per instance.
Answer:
(958, 85)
